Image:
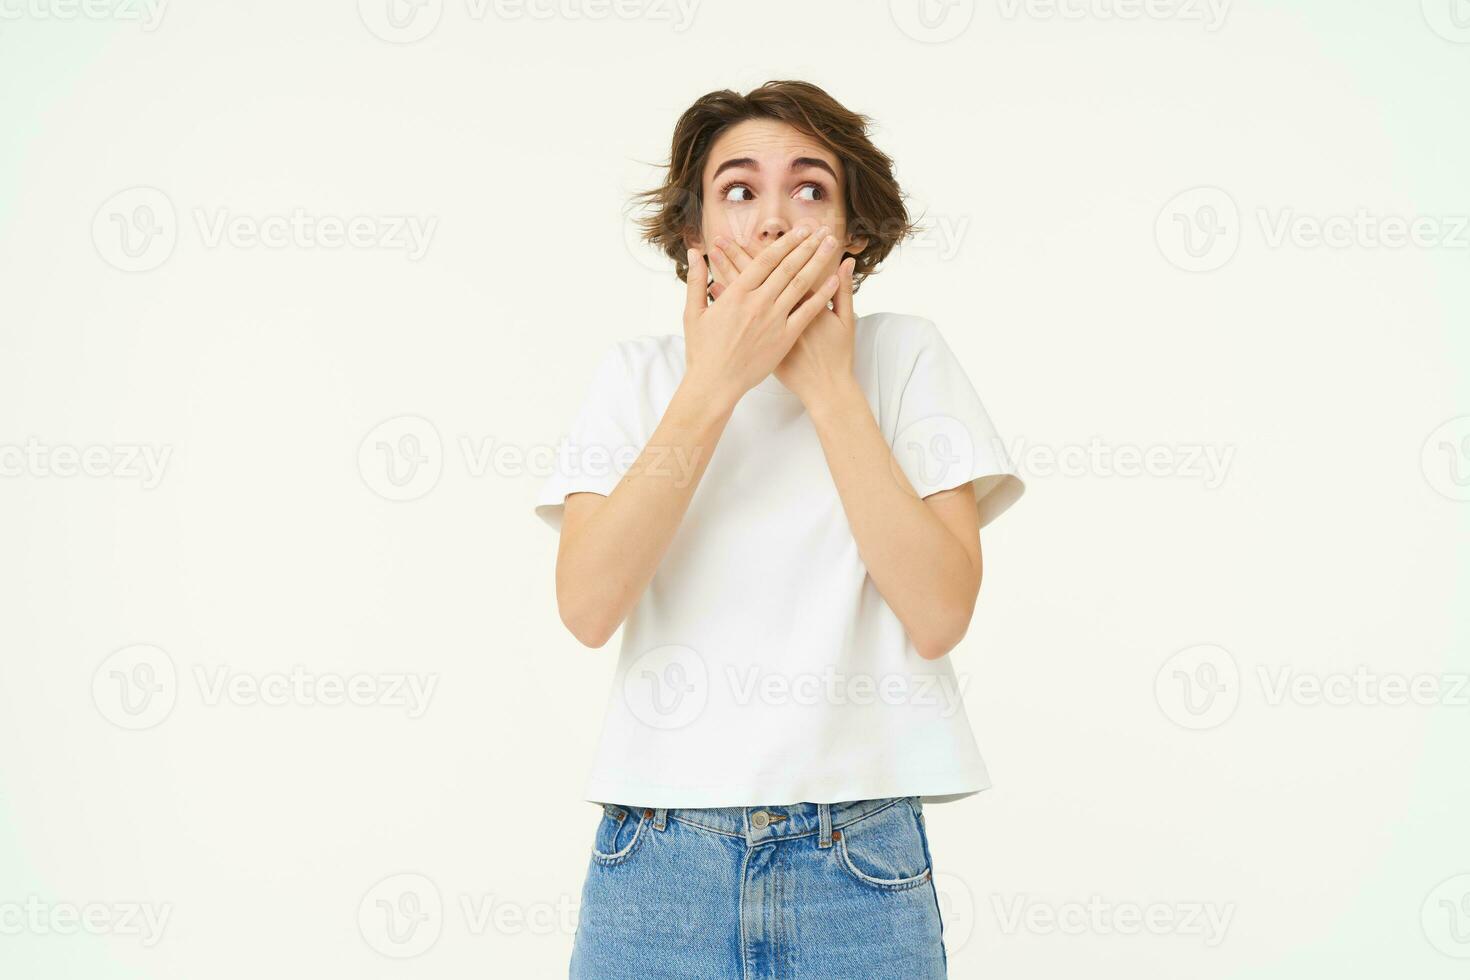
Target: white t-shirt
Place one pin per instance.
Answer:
(762, 665)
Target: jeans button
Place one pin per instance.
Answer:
(760, 820)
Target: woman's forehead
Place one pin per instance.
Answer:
(770, 142)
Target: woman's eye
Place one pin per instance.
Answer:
(814, 190)
(733, 192)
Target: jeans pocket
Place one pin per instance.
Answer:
(620, 830)
(886, 849)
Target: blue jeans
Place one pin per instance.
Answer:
(835, 891)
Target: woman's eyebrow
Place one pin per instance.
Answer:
(799, 163)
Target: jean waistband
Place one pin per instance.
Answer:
(757, 824)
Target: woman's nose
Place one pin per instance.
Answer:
(773, 228)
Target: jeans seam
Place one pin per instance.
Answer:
(887, 884)
(618, 857)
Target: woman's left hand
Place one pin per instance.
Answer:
(820, 361)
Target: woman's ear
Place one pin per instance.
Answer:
(855, 245)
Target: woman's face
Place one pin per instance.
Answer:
(762, 179)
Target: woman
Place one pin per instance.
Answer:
(781, 505)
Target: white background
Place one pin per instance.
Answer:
(1047, 148)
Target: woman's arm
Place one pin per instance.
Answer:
(923, 555)
(612, 546)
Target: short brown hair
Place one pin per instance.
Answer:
(875, 205)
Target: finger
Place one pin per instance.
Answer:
(716, 289)
(798, 267)
(842, 302)
(722, 262)
(803, 276)
(807, 312)
(756, 273)
(736, 253)
(696, 279)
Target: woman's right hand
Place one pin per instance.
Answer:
(732, 344)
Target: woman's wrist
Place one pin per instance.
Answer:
(839, 396)
(707, 397)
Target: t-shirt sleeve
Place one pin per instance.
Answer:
(943, 436)
(601, 445)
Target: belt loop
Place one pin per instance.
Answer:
(660, 818)
(824, 823)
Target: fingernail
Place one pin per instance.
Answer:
(829, 244)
